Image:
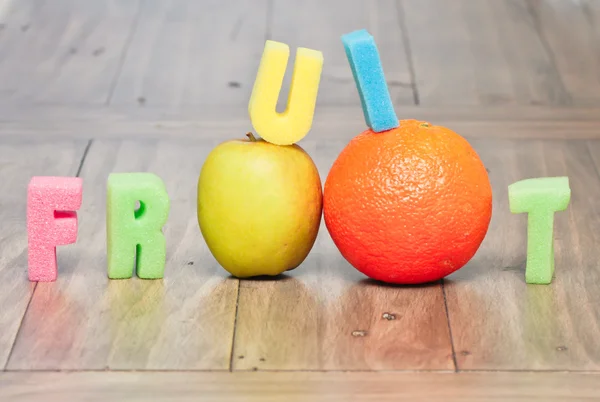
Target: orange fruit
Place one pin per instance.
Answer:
(409, 205)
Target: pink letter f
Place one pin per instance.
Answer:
(51, 222)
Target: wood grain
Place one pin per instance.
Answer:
(275, 387)
(319, 25)
(483, 52)
(62, 50)
(19, 161)
(325, 315)
(499, 322)
(85, 321)
(571, 30)
(193, 53)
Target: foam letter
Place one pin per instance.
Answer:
(51, 222)
(540, 198)
(363, 57)
(292, 125)
(135, 233)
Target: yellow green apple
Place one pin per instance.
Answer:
(259, 206)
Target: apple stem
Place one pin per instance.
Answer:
(251, 137)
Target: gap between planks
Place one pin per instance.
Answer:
(340, 123)
(331, 387)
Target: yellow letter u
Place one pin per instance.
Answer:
(294, 123)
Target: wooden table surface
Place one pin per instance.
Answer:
(90, 87)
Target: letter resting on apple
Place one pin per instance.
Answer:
(292, 125)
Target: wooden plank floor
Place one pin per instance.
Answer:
(90, 87)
